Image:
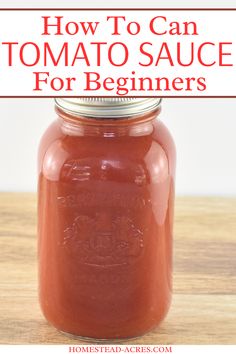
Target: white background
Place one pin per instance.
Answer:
(204, 129)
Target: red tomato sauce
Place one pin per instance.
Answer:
(105, 211)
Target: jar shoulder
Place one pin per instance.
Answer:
(142, 159)
(53, 133)
(160, 159)
(163, 137)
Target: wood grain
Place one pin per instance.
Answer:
(204, 302)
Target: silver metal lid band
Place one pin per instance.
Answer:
(98, 107)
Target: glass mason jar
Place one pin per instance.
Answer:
(105, 217)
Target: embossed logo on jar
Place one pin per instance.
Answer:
(113, 199)
(74, 171)
(104, 241)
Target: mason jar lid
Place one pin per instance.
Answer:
(98, 107)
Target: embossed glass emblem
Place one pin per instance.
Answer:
(103, 240)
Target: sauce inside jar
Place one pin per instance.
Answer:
(105, 218)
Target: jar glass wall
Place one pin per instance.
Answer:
(105, 220)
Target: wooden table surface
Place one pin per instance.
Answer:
(204, 303)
